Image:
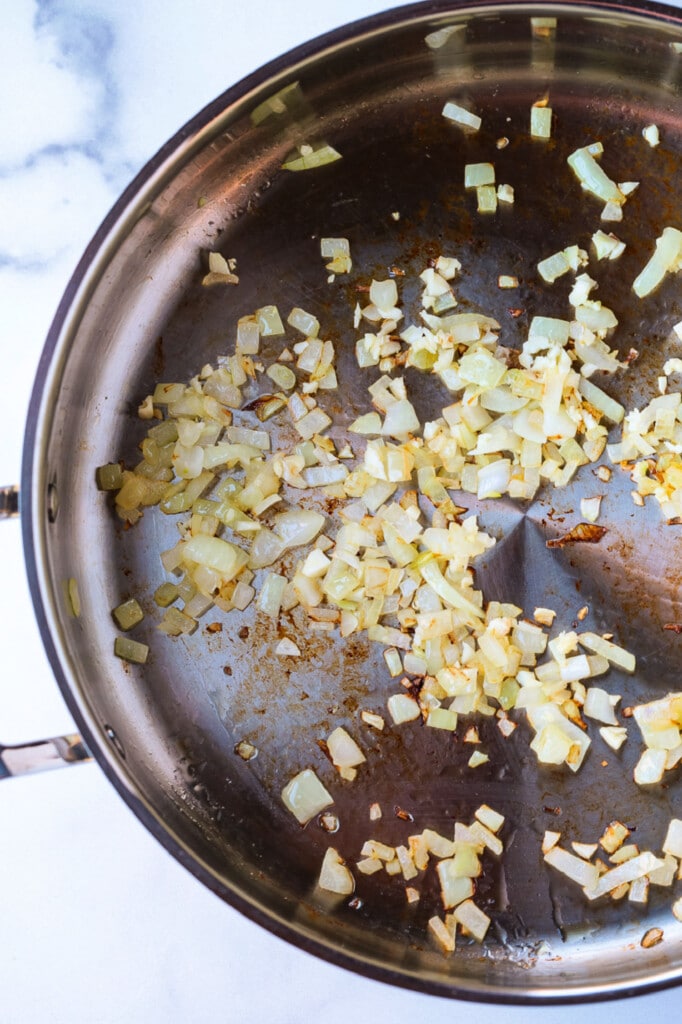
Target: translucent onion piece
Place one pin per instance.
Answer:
(305, 796)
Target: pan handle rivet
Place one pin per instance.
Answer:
(114, 740)
(52, 502)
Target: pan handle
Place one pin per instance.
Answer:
(41, 755)
(9, 502)
(54, 753)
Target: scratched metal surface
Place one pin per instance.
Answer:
(166, 735)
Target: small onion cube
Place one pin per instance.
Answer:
(477, 758)
(375, 721)
(248, 336)
(486, 199)
(665, 258)
(305, 796)
(334, 875)
(343, 750)
(618, 656)
(490, 818)
(225, 558)
(673, 839)
(461, 116)
(665, 875)
(629, 871)
(591, 176)
(651, 135)
(478, 174)
(403, 708)
(131, 650)
(590, 507)
(578, 870)
(472, 919)
(304, 322)
(270, 597)
(599, 706)
(128, 614)
(286, 648)
(454, 888)
(614, 836)
(269, 321)
(553, 267)
(614, 735)
(540, 121)
(369, 866)
(442, 934)
(650, 767)
(283, 376)
(313, 422)
(585, 850)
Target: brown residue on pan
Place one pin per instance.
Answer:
(674, 627)
(583, 533)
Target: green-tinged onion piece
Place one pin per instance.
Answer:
(109, 477)
(306, 157)
(128, 614)
(165, 594)
(130, 650)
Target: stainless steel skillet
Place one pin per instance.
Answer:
(136, 311)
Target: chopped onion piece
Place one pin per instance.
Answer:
(305, 796)
(283, 376)
(490, 818)
(614, 736)
(131, 650)
(651, 135)
(486, 198)
(472, 919)
(672, 843)
(629, 871)
(590, 507)
(306, 157)
(403, 708)
(540, 122)
(269, 321)
(444, 936)
(592, 178)
(128, 614)
(612, 652)
(225, 558)
(460, 116)
(343, 750)
(287, 648)
(549, 840)
(650, 767)
(376, 721)
(607, 246)
(578, 870)
(666, 257)
(334, 875)
(478, 174)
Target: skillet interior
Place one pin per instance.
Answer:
(136, 313)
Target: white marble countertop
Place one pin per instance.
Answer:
(99, 923)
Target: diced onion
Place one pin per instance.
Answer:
(305, 796)
(453, 112)
(334, 875)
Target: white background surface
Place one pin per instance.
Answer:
(98, 922)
